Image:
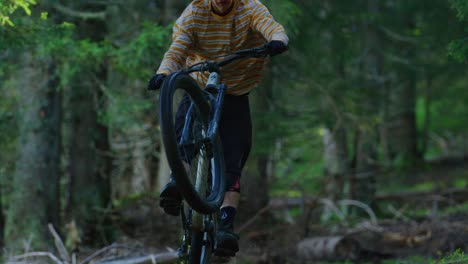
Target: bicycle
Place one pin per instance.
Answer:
(194, 152)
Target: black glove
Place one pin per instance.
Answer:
(276, 47)
(156, 81)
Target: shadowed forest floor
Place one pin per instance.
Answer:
(415, 225)
(420, 224)
(280, 236)
(274, 237)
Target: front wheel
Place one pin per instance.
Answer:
(196, 160)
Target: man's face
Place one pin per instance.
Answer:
(222, 6)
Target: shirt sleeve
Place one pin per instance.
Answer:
(175, 57)
(264, 23)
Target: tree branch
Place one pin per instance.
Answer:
(59, 244)
(79, 14)
(38, 254)
(365, 207)
(398, 37)
(99, 252)
(169, 257)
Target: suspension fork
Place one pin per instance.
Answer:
(213, 84)
(199, 221)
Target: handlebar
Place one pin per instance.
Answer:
(213, 66)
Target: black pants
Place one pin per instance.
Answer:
(235, 130)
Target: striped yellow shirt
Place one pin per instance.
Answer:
(199, 34)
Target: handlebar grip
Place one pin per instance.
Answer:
(214, 66)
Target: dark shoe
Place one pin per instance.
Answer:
(170, 199)
(227, 243)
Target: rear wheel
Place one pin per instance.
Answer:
(196, 160)
(200, 248)
(196, 247)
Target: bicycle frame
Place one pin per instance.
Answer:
(198, 225)
(212, 84)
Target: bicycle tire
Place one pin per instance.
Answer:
(176, 151)
(206, 250)
(196, 247)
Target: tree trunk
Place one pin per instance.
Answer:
(335, 159)
(402, 133)
(335, 143)
(89, 147)
(88, 167)
(35, 193)
(363, 179)
(424, 138)
(2, 219)
(135, 166)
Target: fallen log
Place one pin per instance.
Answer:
(334, 248)
(28, 256)
(407, 238)
(447, 196)
(452, 195)
(284, 203)
(280, 203)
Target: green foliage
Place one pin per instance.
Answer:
(132, 58)
(286, 13)
(82, 58)
(461, 182)
(8, 7)
(141, 53)
(458, 256)
(462, 8)
(458, 49)
(423, 186)
(298, 168)
(409, 260)
(449, 111)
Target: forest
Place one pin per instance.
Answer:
(360, 148)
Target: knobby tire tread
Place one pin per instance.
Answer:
(200, 203)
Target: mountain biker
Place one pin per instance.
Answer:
(206, 29)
